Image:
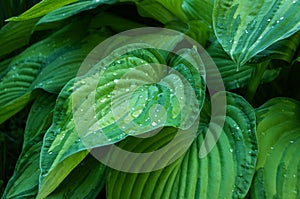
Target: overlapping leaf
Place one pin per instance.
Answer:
(24, 182)
(245, 28)
(226, 172)
(131, 95)
(41, 9)
(70, 10)
(232, 76)
(166, 11)
(38, 66)
(277, 171)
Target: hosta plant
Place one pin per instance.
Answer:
(149, 99)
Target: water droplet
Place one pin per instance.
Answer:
(116, 80)
(271, 148)
(269, 20)
(284, 175)
(294, 175)
(50, 152)
(127, 90)
(246, 31)
(294, 1)
(114, 73)
(281, 18)
(153, 124)
(292, 141)
(102, 101)
(231, 150)
(81, 110)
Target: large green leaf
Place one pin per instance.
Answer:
(226, 172)
(245, 28)
(41, 9)
(70, 10)
(130, 93)
(277, 171)
(24, 182)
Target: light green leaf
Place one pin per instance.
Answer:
(131, 93)
(196, 29)
(85, 181)
(198, 10)
(277, 170)
(24, 182)
(226, 172)
(167, 11)
(70, 10)
(41, 9)
(245, 28)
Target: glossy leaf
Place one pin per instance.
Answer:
(70, 10)
(226, 172)
(277, 171)
(126, 89)
(245, 28)
(41, 9)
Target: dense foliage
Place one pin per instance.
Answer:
(255, 46)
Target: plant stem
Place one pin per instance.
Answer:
(255, 80)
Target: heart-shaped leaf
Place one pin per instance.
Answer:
(130, 93)
(226, 172)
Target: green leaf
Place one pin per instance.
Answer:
(226, 172)
(15, 35)
(131, 93)
(196, 29)
(233, 76)
(282, 50)
(85, 181)
(70, 10)
(41, 9)
(48, 64)
(277, 170)
(198, 10)
(167, 11)
(245, 28)
(24, 182)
